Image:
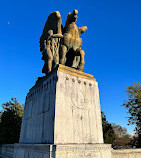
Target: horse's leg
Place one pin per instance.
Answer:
(63, 54)
(44, 57)
(82, 61)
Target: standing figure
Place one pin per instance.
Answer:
(50, 41)
(51, 51)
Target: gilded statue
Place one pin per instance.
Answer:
(62, 45)
(71, 42)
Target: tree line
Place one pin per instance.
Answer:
(12, 113)
(117, 135)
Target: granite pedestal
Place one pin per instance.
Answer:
(62, 151)
(63, 109)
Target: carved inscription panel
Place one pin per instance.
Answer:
(78, 99)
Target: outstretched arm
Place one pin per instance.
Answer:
(82, 29)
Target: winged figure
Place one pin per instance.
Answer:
(62, 45)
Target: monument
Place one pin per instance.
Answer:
(62, 116)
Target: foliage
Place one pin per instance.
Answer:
(133, 105)
(134, 141)
(108, 132)
(119, 130)
(10, 121)
(115, 134)
(122, 139)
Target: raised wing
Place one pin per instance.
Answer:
(53, 23)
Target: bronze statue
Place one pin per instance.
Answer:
(71, 42)
(51, 52)
(62, 45)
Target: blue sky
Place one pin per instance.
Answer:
(112, 46)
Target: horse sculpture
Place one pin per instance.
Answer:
(62, 45)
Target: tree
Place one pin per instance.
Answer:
(108, 132)
(133, 105)
(119, 130)
(10, 121)
(115, 134)
(122, 138)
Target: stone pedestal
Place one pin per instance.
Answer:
(62, 151)
(63, 109)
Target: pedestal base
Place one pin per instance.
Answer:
(62, 151)
(63, 108)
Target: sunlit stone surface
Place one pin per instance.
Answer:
(63, 108)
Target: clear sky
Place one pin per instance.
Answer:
(112, 46)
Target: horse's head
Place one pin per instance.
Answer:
(72, 17)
